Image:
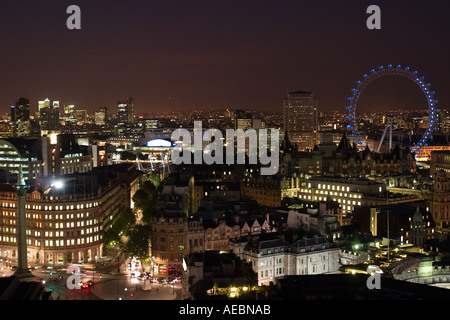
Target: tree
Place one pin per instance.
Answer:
(150, 188)
(142, 156)
(125, 220)
(127, 155)
(141, 199)
(145, 199)
(69, 257)
(138, 243)
(155, 179)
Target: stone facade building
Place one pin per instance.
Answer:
(66, 220)
(273, 257)
(170, 242)
(440, 200)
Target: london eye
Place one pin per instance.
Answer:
(404, 72)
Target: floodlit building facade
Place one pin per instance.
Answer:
(66, 216)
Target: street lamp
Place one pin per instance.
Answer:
(58, 184)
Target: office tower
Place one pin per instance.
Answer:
(125, 111)
(81, 117)
(21, 110)
(43, 104)
(48, 116)
(101, 116)
(69, 115)
(300, 119)
(20, 117)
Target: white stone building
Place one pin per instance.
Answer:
(272, 257)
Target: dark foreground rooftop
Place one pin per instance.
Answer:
(11, 288)
(353, 287)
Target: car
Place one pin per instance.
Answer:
(132, 275)
(141, 277)
(85, 285)
(90, 283)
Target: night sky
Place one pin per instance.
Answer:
(219, 54)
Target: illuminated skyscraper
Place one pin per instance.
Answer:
(49, 116)
(125, 111)
(69, 115)
(20, 117)
(300, 119)
(81, 116)
(43, 104)
(21, 110)
(101, 116)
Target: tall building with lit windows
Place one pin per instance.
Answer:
(125, 111)
(300, 119)
(49, 116)
(20, 117)
(22, 110)
(101, 116)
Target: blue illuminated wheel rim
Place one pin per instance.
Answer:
(386, 71)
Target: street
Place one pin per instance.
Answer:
(107, 285)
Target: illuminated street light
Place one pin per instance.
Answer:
(58, 184)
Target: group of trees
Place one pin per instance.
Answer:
(115, 236)
(128, 155)
(145, 200)
(129, 236)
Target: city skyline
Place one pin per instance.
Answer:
(224, 55)
(224, 151)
